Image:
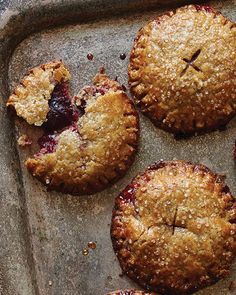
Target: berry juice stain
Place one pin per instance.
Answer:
(47, 143)
(122, 56)
(85, 252)
(92, 245)
(204, 8)
(90, 56)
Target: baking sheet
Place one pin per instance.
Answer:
(45, 233)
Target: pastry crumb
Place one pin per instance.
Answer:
(24, 140)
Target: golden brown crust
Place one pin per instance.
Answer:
(102, 80)
(182, 70)
(97, 150)
(130, 292)
(173, 228)
(30, 98)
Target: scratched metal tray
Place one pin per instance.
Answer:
(43, 234)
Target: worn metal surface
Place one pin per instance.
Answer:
(43, 234)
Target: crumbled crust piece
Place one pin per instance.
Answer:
(30, 98)
(182, 70)
(24, 140)
(100, 146)
(173, 228)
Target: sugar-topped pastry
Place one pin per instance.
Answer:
(182, 70)
(174, 228)
(90, 140)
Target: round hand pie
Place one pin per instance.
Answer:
(182, 70)
(90, 141)
(173, 228)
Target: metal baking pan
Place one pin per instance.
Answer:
(44, 234)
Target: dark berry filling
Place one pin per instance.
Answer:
(61, 111)
(128, 194)
(225, 189)
(204, 8)
(81, 107)
(97, 90)
(47, 143)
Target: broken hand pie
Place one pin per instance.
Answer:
(90, 140)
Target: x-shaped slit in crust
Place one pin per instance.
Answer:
(174, 225)
(190, 63)
(175, 216)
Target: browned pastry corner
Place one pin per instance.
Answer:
(98, 145)
(30, 98)
(173, 228)
(129, 292)
(182, 70)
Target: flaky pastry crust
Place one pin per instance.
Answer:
(98, 148)
(182, 70)
(30, 98)
(173, 228)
